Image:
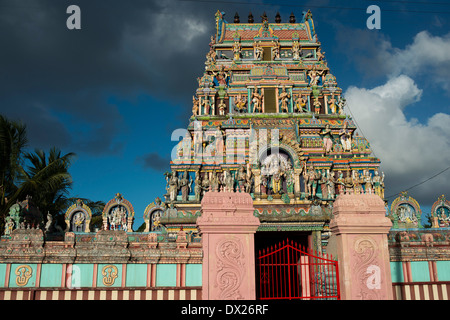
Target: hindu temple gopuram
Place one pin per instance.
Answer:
(268, 119)
(271, 194)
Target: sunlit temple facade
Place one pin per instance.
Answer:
(268, 120)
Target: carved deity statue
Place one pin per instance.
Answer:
(240, 103)
(258, 50)
(185, 185)
(296, 50)
(300, 104)
(314, 76)
(198, 186)
(237, 50)
(228, 181)
(327, 139)
(275, 50)
(222, 107)
(241, 178)
(332, 105)
(173, 186)
(378, 184)
(320, 55)
(346, 137)
(257, 101)
(195, 107)
(284, 98)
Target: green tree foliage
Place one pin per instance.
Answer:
(43, 176)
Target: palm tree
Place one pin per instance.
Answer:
(13, 140)
(47, 180)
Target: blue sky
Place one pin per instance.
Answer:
(114, 91)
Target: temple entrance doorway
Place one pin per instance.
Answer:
(287, 269)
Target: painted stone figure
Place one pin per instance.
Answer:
(257, 101)
(327, 139)
(195, 108)
(240, 104)
(346, 137)
(378, 184)
(185, 186)
(284, 98)
(300, 104)
(173, 186)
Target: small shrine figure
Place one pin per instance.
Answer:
(221, 76)
(228, 181)
(185, 186)
(340, 182)
(277, 182)
(275, 50)
(346, 137)
(332, 105)
(9, 226)
(206, 184)
(327, 139)
(264, 186)
(357, 183)
(320, 55)
(378, 184)
(241, 178)
(173, 186)
(368, 183)
(215, 184)
(300, 104)
(240, 103)
(296, 50)
(237, 50)
(222, 107)
(284, 97)
(198, 186)
(195, 107)
(317, 105)
(257, 101)
(207, 105)
(78, 222)
(258, 51)
(314, 76)
(330, 185)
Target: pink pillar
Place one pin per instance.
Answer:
(228, 225)
(360, 228)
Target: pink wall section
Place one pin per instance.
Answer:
(227, 225)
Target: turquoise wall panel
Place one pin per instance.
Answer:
(397, 271)
(109, 275)
(136, 275)
(2, 274)
(443, 270)
(420, 271)
(166, 275)
(193, 275)
(51, 275)
(25, 277)
(82, 275)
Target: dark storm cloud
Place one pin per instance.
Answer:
(58, 81)
(154, 161)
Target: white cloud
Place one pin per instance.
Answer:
(409, 150)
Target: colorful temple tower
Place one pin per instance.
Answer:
(268, 118)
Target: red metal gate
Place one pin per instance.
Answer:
(286, 271)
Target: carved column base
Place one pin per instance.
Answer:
(228, 225)
(359, 231)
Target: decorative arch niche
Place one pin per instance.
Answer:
(78, 217)
(118, 214)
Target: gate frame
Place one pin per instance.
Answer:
(306, 262)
